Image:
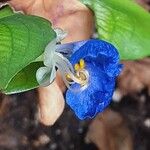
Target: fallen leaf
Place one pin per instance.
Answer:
(109, 132)
(135, 76)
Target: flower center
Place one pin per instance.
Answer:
(77, 74)
(80, 73)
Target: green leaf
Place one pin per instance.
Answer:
(22, 39)
(24, 80)
(6, 11)
(124, 24)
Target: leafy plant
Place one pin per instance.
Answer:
(124, 24)
(23, 38)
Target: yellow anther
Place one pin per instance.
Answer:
(82, 63)
(68, 77)
(76, 67)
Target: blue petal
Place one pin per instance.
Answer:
(96, 97)
(102, 53)
(102, 63)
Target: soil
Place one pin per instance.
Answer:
(20, 129)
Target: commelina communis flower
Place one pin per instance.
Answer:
(89, 70)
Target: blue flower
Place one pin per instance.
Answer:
(102, 64)
(90, 73)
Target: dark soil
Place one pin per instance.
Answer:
(19, 128)
(136, 110)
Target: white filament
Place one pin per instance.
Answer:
(66, 68)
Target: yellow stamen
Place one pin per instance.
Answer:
(80, 75)
(77, 67)
(82, 64)
(68, 77)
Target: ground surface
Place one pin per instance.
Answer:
(19, 128)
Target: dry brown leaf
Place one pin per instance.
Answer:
(135, 76)
(109, 132)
